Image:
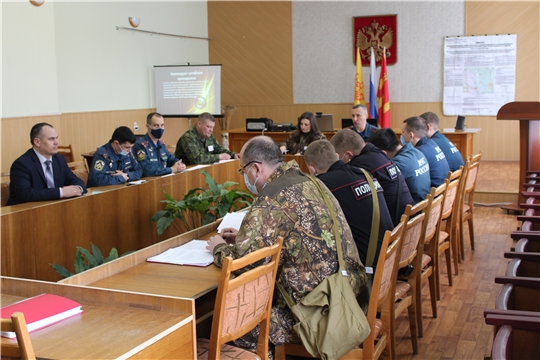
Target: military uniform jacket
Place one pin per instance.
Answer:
(367, 131)
(351, 189)
(438, 166)
(453, 156)
(375, 161)
(155, 159)
(297, 212)
(300, 146)
(415, 168)
(193, 149)
(105, 163)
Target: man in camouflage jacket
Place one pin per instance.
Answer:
(291, 206)
(199, 146)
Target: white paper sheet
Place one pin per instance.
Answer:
(192, 253)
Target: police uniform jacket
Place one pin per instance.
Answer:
(375, 161)
(415, 168)
(438, 166)
(367, 131)
(155, 159)
(351, 189)
(194, 149)
(453, 156)
(105, 163)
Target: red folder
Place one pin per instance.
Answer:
(41, 311)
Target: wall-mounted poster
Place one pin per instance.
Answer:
(479, 74)
(377, 32)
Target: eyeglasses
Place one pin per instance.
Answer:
(241, 171)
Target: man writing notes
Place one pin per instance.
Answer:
(152, 153)
(113, 163)
(414, 130)
(359, 114)
(40, 173)
(289, 205)
(199, 146)
(453, 156)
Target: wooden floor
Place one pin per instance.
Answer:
(460, 332)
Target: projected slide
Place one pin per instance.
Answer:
(188, 90)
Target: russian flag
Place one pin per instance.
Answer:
(372, 94)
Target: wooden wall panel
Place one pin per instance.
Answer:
(253, 41)
(86, 131)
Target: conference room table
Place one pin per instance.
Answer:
(462, 139)
(112, 325)
(37, 234)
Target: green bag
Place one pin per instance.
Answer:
(330, 321)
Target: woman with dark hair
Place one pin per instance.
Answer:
(306, 132)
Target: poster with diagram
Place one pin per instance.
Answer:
(479, 74)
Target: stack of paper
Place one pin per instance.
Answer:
(232, 220)
(193, 253)
(40, 311)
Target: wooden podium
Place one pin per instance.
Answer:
(528, 114)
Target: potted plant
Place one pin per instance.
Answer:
(201, 206)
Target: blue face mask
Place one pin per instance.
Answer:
(157, 133)
(403, 141)
(124, 152)
(252, 188)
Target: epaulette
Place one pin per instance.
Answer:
(161, 142)
(144, 143)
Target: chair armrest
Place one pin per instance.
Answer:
(530, 235)
(533, 194)
(534, 219)
(519, 281)
(517, 322)
(511, 313)
(529, 185)
(529, 256)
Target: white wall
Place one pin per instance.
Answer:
(83, 62)
(323, 69)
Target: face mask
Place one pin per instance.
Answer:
(403, 141)
(157, 133)
(123, 152)
(252, 188)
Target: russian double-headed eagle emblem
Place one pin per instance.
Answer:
(374, 36)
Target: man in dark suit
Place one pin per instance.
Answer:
(40, 173)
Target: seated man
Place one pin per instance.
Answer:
(453, 156)
(113, 163)
(359, 114)
(410, 161)
(199, 146)
(40, 173)
(289, 205)
(152, 153)
(351, 189)
(351, 148)
(414, 130)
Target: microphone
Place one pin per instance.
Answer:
(264, 131)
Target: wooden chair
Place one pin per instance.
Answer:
(79, 168)
(431, 242)
(380, 302)
(67, 152)
(241, 303)
(4, 193)
(467, 202)
(450, 219)
(22, 348)
(517, 337)
(413, 239)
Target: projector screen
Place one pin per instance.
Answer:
(187, 90)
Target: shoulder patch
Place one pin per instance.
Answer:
(141, 155)
(144, 143)
(99, 165)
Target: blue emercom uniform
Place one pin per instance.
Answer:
(438, 166)
(155, 159)
(105, 163)
(453, 156)
(415, 168)
(367, 131)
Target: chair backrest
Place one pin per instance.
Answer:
(80, 169)
(67, 152)
(452, 192)
(470, 178)
(413, 233)
(433, 216)
(23, 347)
(4, 195)
(244, 301)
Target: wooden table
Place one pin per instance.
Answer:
(113, 324)
(37, 234)
(132, 273)
(462, 139)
